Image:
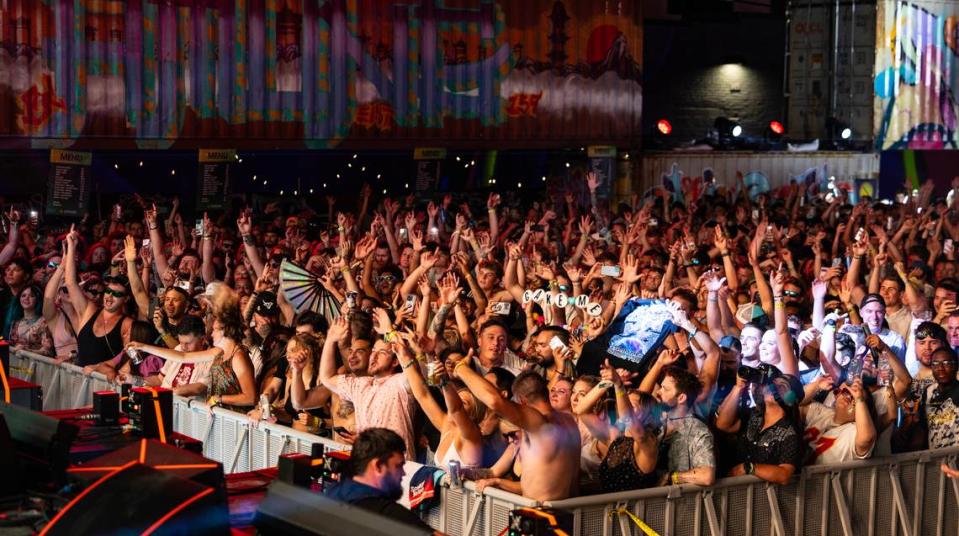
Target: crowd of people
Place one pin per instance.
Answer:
(802, 329)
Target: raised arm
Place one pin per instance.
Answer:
(337, 332)
(411, 370)
(79, 301)
(140, 295)
(206, 251)
(789, 363)
(156, 240)
(245, 226)
(522, 416)
(50, 294)
(13, 237)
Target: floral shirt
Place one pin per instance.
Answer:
(33, 336)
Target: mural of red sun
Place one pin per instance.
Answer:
(600, 39)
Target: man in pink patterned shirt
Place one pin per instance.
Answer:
(383, 399)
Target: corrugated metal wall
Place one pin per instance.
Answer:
(778, 167)
(917, 74)
(318, 73)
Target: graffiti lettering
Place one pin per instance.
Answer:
(522, 104)
(37, 104)
(378, 115)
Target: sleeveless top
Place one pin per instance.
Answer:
(619, 471)
(64, 336)
(92, 349)
(223, 381)
(451, 454)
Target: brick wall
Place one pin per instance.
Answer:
(696, 71)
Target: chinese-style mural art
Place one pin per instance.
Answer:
(318, 73)
(917, 75)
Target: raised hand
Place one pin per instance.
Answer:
(364, 247)
(381, 321)
(244, 224)
(129, 249)
(819, 289)
(416, 240)
(338, 329)
(493, 201)
(592, 181)
(574, 273)
(713, 281)
(630, 273)
(449, 288)
(432, 210)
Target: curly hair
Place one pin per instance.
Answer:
(225, 304)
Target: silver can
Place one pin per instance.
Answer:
(134, 356)
(265, 408)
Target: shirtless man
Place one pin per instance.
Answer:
(550, 448)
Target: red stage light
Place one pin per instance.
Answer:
(776, 127)
(664, 127)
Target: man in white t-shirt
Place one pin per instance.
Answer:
(186, 379)
(844, 432)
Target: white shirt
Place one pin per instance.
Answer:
(179, 374)
(831, 442)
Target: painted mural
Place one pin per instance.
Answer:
(917, 75)
(318, 73)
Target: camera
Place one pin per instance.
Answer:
(760, 375)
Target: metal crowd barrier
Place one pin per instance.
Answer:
(64, 386)
(904, 495)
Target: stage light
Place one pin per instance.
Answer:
(377, 175)
(116, 166)
(839, 133)
(728, 128)
(664, 127)
(254, 178)
(141, 163)
(544, 178)
(776, 127)
(311, 190)
(354, 156)
(172, 172)
(567, 164)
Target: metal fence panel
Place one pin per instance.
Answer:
(814, 503)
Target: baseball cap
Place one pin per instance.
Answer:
(266, 304)
(872, 298)
(730, 342)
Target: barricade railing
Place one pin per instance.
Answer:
(904, 495)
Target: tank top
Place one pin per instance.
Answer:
(64, 337)
(92, 349)
(223, 380)
(619, 471)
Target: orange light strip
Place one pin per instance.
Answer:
(166, 517)
(156, 407)
(143, 451)
(83, 494)
(92, 469)
(6, 385)
(158, 467)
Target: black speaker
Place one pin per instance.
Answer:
(138, 499)
(43, 442)
(10, 468)
(289, 509)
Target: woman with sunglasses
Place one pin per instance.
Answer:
(104, 326)
(60, 316)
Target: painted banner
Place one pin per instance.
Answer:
(318, 73)
(916, 75)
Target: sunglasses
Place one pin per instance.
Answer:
(95, 291)
(51, 264)
(387, 277)
(942, 364)
(791, 293)
(114, 293)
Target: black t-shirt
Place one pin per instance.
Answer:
(776, 445)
